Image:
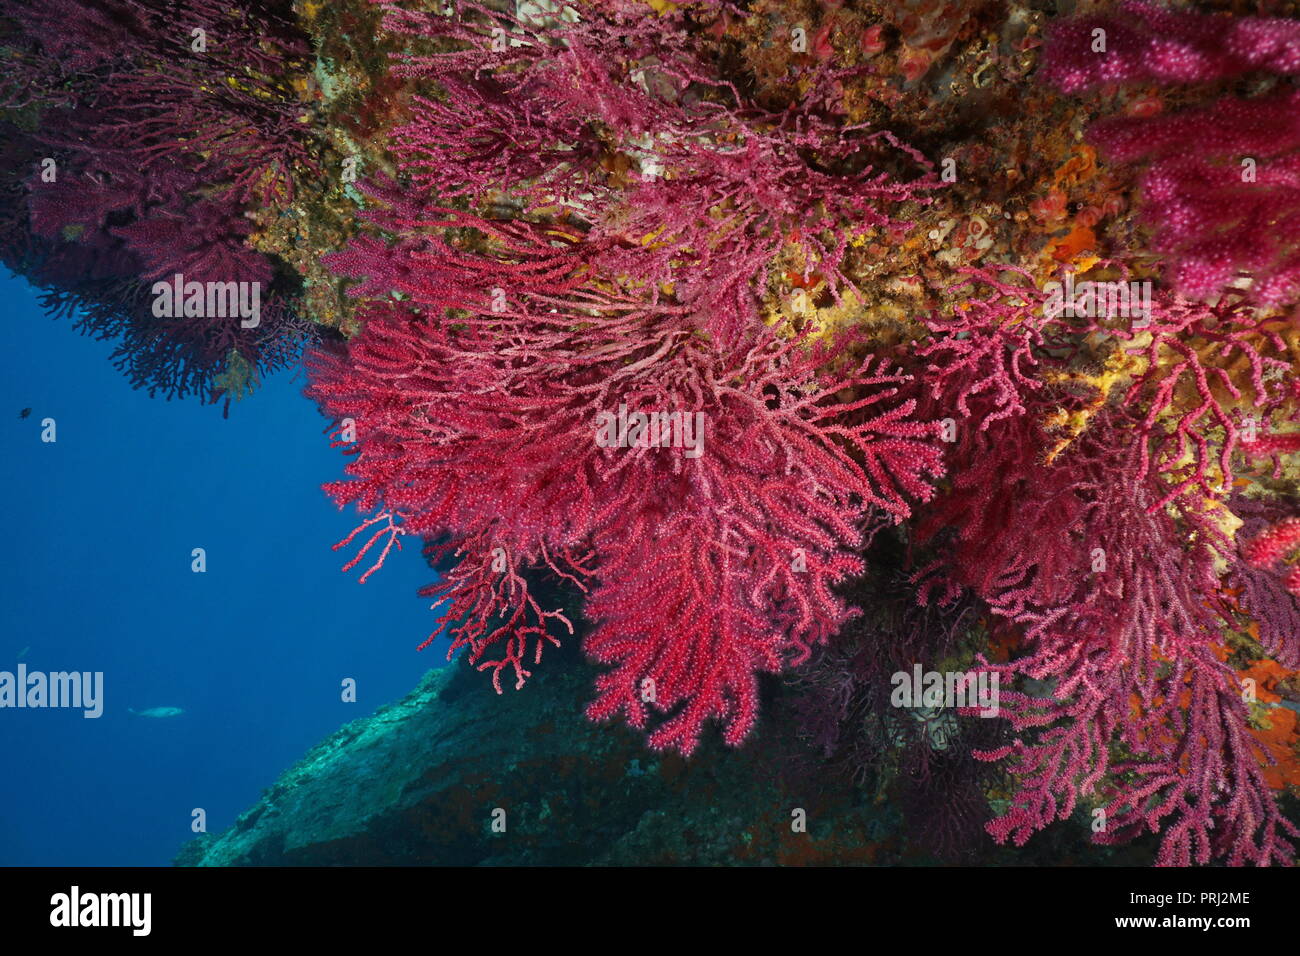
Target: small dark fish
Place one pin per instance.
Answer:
(24, 413)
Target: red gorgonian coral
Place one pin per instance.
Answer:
(707, 561)
(157, 126)
(582, 227)
(579, 372)
(1102, 550)
(1222, 185)
(478, 396)
(617, 121)
(1144, 42)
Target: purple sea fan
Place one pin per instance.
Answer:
(160, 144)
(101, 274)
(617, 121)
(140, 118)
(1102, 551)
(985, 359)
(1232, 207)
(1191, 371)
(81, 35)
(1190, 403)
(479, 424)
(483, 136)
(1263, 595)
(845, 707)
(1229, 208)
(204, 242)
(516, 91)
(1145, 42)
(1117, 602)
(80, 205)
(718, 219)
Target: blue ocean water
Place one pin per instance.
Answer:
(95, 575)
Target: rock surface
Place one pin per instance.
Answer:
(418, 782)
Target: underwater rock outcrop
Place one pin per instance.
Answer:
(422, 781)
(419, 781)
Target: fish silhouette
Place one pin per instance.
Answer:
(158, 712)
